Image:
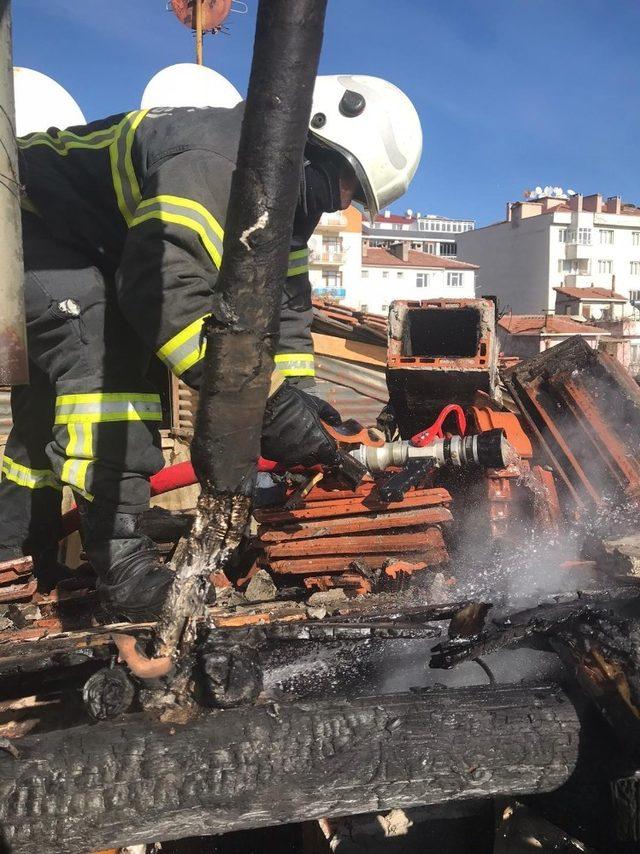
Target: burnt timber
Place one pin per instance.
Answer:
(121, 783)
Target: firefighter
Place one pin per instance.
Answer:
(123, 225)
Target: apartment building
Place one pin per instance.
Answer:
(557, 242)
(403, 273)
(335, 253)
(526, 335)
(436, 235)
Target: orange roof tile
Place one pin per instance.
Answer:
(546, 324)
(376, 256)
(604, 294)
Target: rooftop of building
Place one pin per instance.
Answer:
(599, 294)
(546, 324)
(376, 256)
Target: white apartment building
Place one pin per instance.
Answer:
(436, 235)
(404, 273)
(335, 254)
(552, 242)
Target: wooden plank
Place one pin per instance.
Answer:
(350, 351)
(118, 783)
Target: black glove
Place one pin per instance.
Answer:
(292, 431)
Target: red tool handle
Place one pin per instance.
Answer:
(425, 437)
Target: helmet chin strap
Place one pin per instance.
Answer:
(320, 182)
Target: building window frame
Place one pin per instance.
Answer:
(454, 279)
(605, 266)
(607, 236)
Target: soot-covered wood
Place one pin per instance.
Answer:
(242, 330)
(259, 223)
(119, 783)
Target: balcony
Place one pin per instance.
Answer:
(578, 280)
(327, 259)
(575, 251)
(331, 223)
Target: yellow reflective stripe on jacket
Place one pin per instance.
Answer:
(189, 214)
(298, 262)
(74, 472)
(118, 139)
(295, 364)
(125, 181)
(185, 349)
(98, 408)
(64, 141)
(31, 478)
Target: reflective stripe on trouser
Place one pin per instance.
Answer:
(28, 477)
(298, 262)
(30, 493)
(87, 425)
(295, 364)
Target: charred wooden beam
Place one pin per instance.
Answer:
(108, 785)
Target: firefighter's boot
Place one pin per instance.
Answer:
(132, 579)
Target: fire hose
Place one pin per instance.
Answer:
(426, 449)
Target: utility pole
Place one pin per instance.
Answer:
(198, 28)
(14, 368)
(242, 332)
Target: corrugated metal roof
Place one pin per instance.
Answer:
(366, 381)
(349, 403)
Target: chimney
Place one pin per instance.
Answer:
(592, 203)
(401, 250)
(387, 214)
(575, 202)
(614, 205)
(365, 248)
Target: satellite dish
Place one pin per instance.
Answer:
(42, 103)
(214, 13)
(189, 85)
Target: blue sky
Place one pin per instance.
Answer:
(512, 93)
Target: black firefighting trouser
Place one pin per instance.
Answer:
(88, 419)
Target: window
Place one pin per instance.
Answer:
(423, 280)
(400, 274)
(635, 268)
(331, 279)
(606, 236)
(448, 248)
(385, 309)
(436, 226)
(605, 267)
(584, 236)
(385, 274)
(635, 238)
(431, 248)
(562, 235)
(365, 274)
(454, 280)
(364, 308)
(578, 267)
(634, 296)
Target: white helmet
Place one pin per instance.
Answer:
(375, 127)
